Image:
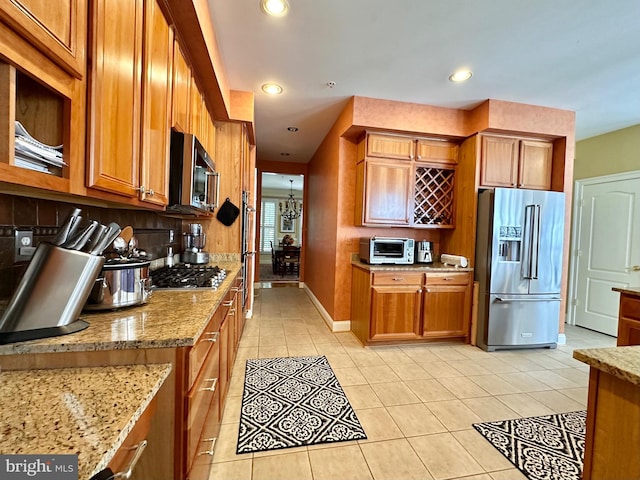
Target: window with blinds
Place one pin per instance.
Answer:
(267, 225)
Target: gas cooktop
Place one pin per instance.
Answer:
(185, 275)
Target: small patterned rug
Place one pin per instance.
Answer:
(291, 402)
(550, 447)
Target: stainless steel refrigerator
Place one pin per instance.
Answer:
(519, 266)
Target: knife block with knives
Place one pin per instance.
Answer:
(57, 282)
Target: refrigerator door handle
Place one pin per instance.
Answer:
(527, 242)
(511, 300)
(535, 242)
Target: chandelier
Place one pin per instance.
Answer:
(292, 209)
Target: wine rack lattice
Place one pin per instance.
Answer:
(433, 199)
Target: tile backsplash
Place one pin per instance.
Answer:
(154, 231)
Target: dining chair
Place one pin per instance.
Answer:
(292, 259)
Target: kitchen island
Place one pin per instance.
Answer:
(89, 412)
(628, 316)
(613, 413)
(196, 331)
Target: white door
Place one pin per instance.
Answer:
(608, 248)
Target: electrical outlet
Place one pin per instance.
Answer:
(24, 248)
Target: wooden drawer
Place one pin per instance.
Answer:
(397, 278)
(200, 398)
(126, 452)
(200, 350)
(203, 457)
(630, 307)
(448, 278)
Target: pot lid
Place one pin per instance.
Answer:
(123, 263)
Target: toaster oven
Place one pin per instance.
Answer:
(381, 250)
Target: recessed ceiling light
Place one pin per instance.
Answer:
(292, 129)
(275, 8)
(460, 75)
(272, 88)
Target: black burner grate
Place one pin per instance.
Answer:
(188, 276)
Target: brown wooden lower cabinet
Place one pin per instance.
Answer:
(628, 319)
(143, 460)
(203, 455)
(612, 434)
(447, 305)
(404, 305)
(190, 402)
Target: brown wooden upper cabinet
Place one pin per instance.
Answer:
(156, 106)
(436, 151)
(41, 91)
(57, 28)
(384, 190)
(390, 146)
(181, 99)
(129, 95)
(405, 181)
(515, 163)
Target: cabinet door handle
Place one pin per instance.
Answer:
(398, 279)
(132, 464)
(213, 338)
(231, 312)
(235, 289)
(212, 388)
(227, 304)
(213, 445)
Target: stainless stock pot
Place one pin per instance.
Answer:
(123, 282)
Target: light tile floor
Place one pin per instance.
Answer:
(415, 402)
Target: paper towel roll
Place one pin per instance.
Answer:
(455, 260)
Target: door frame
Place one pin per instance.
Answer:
(576, 226)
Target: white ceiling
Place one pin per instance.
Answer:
(569, 54)
(277, 181)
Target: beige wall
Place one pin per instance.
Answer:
(607, 154)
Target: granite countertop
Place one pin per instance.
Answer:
(83, 411)
(632, 291)
(169, 319)
(621, 362)
(415, 267)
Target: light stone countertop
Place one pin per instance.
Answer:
(621, 362)
(415, 267)
(170, 318)
(83, 411)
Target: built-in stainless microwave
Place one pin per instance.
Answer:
(378, 250)
(193, 182)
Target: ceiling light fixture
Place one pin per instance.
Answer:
(275, 8)
(460, 76)
(272, 88)
(292, 208)
(292, 129)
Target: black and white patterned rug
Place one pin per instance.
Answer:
(550, 447)
(291, 402)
